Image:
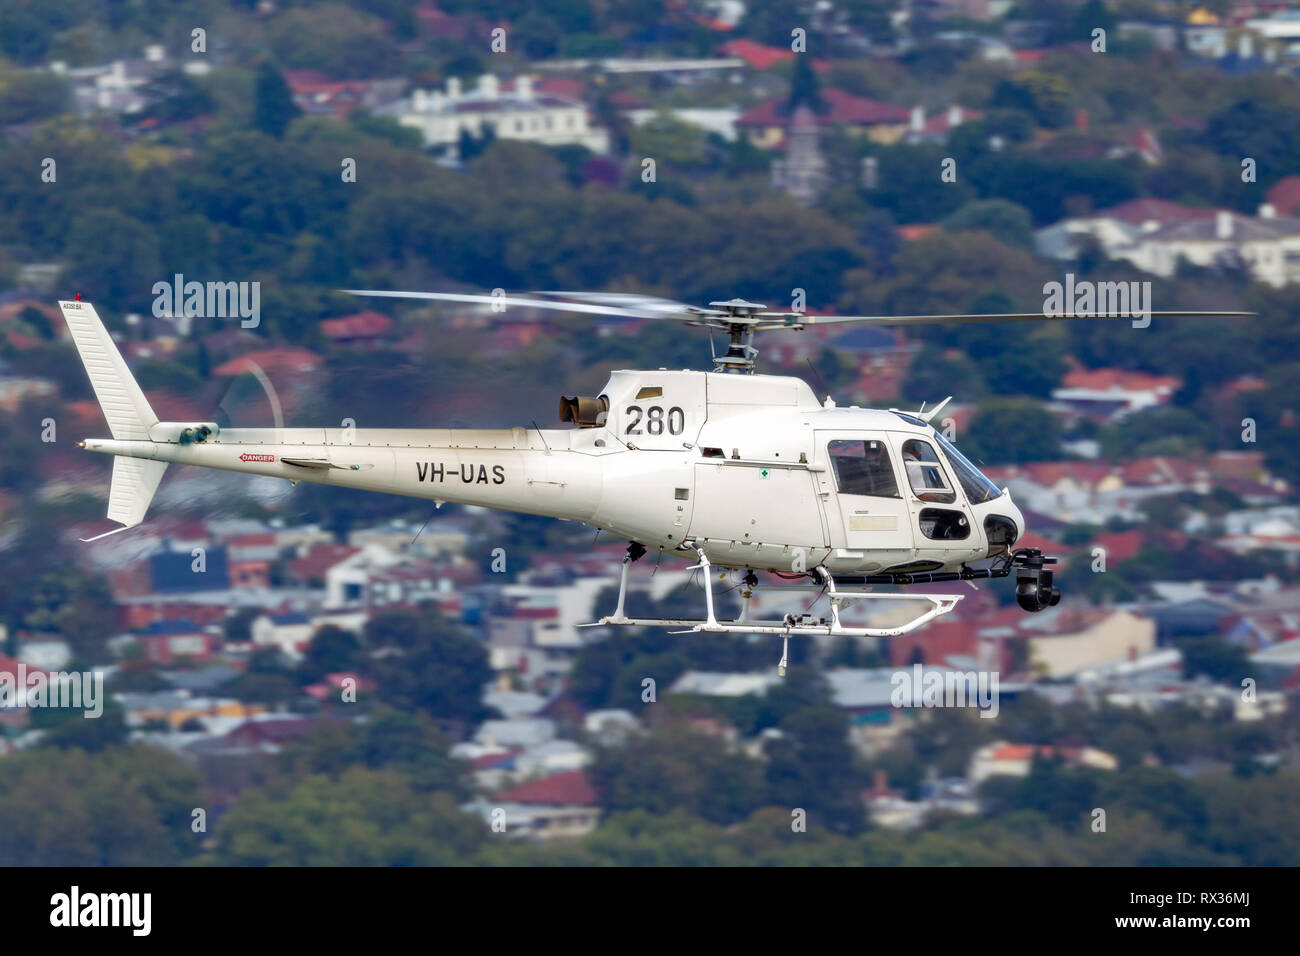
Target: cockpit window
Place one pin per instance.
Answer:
(978, 488)
(863, 468)
(925, 474)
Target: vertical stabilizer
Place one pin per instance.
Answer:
(127, 410)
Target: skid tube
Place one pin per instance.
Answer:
(802, 624)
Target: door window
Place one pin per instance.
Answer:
(863, 467)
(925, 474)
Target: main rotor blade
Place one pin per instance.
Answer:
(504, 300)
(657, 305)
(997, 317)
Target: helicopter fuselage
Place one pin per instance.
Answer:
(750, 469)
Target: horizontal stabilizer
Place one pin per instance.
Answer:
(134, 482)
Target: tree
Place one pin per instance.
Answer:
(29, 97)
(332, 650)
(811, 766)
(429, 663)
(273, 108)
(678, 769)
(386, 740)
(1216, 658)
(1156, 431)
(113, 257)
(364, 818)
(1005, 221)
(805, 88)
(1012, 430)
(125, 806)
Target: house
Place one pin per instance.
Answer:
(506, 111)
(562, 805)
(553, 756)
(937, 128)
(316, 94)
(716, 684)
(610, 727)
(759, 56)
(249, 558)
(1284, 196)
(546, 615)
(1267, 246)
(116, 87)
(346, 572)
(292, 361)
(1108, 394)
(165, 642)
(177, 707)
(519, 732)
(43, 652)
(1114, 229)
(1016, 760)
(287, 633)
(358, 330)
(311, 566)
(1085, 639)
(1282, 25)
(765, 124)
(1205, 34)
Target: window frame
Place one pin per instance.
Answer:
(889, 460)
(936, 496)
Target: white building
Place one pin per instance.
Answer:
(520, 112)
(287, 633)
(1268, 246)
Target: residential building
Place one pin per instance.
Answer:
(507, 111)
(766, 124)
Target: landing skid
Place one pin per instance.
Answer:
(793, 624)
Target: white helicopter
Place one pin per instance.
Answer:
(736, 470)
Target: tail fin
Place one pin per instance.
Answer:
(127, 410)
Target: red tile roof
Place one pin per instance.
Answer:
(762, 57)
(562, 789)
(9, 665)
(1158, 471)
(1048, 473)
(313, 565)
(941, 122)
(1285, 196)
(1119, 380)
(841, 108)
(916, 231)
(356, 326)
(288, 359)
(1135, 212)
(1120, 545)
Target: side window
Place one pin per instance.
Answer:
(863, 468)
(925, 474)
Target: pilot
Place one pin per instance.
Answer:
(876, 468)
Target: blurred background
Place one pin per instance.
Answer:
(298, 675)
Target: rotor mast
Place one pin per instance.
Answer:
(740, 320)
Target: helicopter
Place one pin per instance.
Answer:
(736, 470)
